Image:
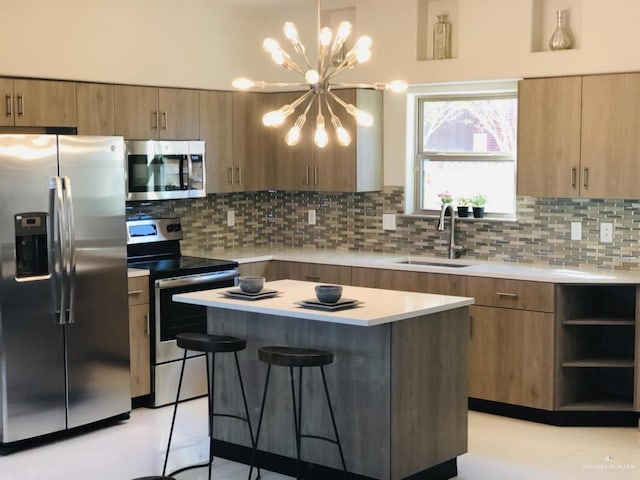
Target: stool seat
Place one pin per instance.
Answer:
(202, 342)
(294, 357)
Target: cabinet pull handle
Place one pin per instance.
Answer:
(470, 327)
(574, 177)
(20, 105)
(146, 324)
(312, 278)
(239, 180)
(154, 120)
(230, 175)
(586, 178)
(307, 174)
(9, 105)
(164, 120)
(315, 175)
(509, 295)
(135, 292)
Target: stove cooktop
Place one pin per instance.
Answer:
(182, 265)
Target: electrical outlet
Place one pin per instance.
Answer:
(576, 231)
(231, 218)
(311, 216)
(388, 221)
(606, 233)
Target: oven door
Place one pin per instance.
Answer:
(172, 318)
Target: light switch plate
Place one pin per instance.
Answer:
(388, 221)
(576, 231)
(231, 218)
(311, 216)
(606, 233)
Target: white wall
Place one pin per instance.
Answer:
(205, 43)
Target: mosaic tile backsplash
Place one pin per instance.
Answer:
(353, 222)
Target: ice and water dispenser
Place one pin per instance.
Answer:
(31, 244)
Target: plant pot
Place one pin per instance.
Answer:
(463, 211)
(478, 212)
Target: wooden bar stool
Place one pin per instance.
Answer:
(209, 344)
(301, 358)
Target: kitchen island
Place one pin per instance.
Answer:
(398, 382)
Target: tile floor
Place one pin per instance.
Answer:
(499, 449)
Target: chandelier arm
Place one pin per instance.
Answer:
(300, 99)
(377, 86)
(338, 99)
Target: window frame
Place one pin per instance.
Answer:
(420, 156)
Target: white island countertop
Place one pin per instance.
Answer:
(378, 306)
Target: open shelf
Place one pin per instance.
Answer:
(544, 22)
(428, 11)
(599, 388)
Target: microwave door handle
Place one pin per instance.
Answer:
(184, 182)
(57, 245)
(71, 245)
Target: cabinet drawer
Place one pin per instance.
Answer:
(518, 294)
(138, 290)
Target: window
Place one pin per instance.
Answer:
(466, 144)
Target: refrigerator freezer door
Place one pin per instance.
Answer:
(32, 376)
(97, 338)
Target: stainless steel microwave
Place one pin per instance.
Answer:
(165, 169)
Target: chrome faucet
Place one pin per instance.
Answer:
(454, 250)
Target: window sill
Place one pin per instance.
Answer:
(486, 218)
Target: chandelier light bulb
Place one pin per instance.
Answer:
(363, 55)
(312, 77)
(397, 86)
(344, 30)
(293, 136)
(271, 46)
(242, 83)
(363, 119)
(321, 138)
(364, 42)
(291, 32)
(325, 37)
(344, 138)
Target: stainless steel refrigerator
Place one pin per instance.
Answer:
(64, 342)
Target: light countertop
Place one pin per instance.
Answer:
(462, 266)
(378, 307)
(137, 272)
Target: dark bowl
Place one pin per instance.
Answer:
(328, 293)
(251, 284)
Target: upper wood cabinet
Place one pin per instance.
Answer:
(95, 109)
(355, 168)
(38, 103)
(156, 113)
(216, 120)
(610, 139)
(253, 143)
(549, 111)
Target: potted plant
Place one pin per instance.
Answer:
(463, 207)
(447, 199)
(478, 201)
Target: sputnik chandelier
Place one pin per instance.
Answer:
(331, 61)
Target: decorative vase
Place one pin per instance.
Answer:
(442, 38)
(560, 40)
(478, 212)
(463, 211)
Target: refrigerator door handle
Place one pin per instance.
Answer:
(71, 245)
(59, 227)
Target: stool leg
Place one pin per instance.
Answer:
(175, 410)
(295, 420)
(264, 397)
(246, 407)
(333, 420)
(211, 372)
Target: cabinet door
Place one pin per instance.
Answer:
(511, 356)
(294, 163)
(8, 110)
(549, 113)
(315, 272)
(267, 269)
(610, 140)
(96, 109)
(139, 349)
(442, 284)
(335, 165)
(179, 113)
(137, 114)
(253, 143)
(216, 117)
(44, 103)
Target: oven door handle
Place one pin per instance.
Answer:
(196, 279)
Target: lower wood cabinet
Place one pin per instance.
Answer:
(511, 356)
(441, 284)
(314, 272)
(139, 343)
(266, 269)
